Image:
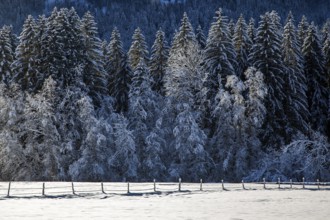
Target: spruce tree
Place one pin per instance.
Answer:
(267, 57)
(143, 110)
(183, 71)
(317, 90)
(138, 49)
(242, 45)
(94, 75)
(158, 62)
(296, 101)
(200, 37)
(302, 30)
(24, 66)
(251, 31)
(219, 61)
(64, 48)
(6, 56)
(118, 72)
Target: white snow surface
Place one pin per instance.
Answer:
(234, 203)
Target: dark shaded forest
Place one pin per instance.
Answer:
(249, 100)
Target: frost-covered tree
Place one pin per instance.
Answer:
(124, 162)
(219, 61)
(63, 49)
(302, 31)
(6, 56)
(96, 146)
(158, 62)
(24, 66)
(235, 145)
(190, 160)
(242, 45)
(118, 72)
(231, 27)
(200, 37)
(138, 49)
(317, 90)
(94, 75)
(143, 110)
(183, 72)
(296, 100)
(266, 56)
(12, 157)
(39, 136)
(251, 31)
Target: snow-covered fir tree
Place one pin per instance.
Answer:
(143, 110)
(317, 88)
(251, 30)
(94, 75)
(63, 51)
(96, 147)
(296, 101)
(158, 62)
(6, 56)
(200, 37)
(242, 45)
(183, 69)
(219, 61)
(124, 162)
(138, 49)
(118, 72)
(24, 66)
(302, 31)
(266, 56)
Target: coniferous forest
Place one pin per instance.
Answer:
(249, 99)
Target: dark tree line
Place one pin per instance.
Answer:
(244, 101)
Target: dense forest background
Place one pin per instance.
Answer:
(249, 99)
(150, 15)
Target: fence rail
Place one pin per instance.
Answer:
(51, 189)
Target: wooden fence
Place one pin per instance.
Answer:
(54, 189)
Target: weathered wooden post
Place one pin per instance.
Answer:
(72, 186)
(223, 186)
(179, 184)
(303, 179)
(128, 191)
(8, 192)
(201, 185)
(155, 185)
(290, 183)
(102, 188)
(279, 182)
(264, 179)
(243, 184)
(43, 189)
(318, 183)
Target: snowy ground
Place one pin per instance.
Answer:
(232, 203)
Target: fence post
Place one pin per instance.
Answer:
(290, 183)
(303, 179)
(201, 185)
(154, 185)
(243, 184)
(72, 186)
(8, 193)
(318, 183)
(279, 182)
(43, 189)
(264, 179)
(128, 191)
(102, 188)
(223, 186)
(179, 184)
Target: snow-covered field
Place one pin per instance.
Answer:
(255, 202)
